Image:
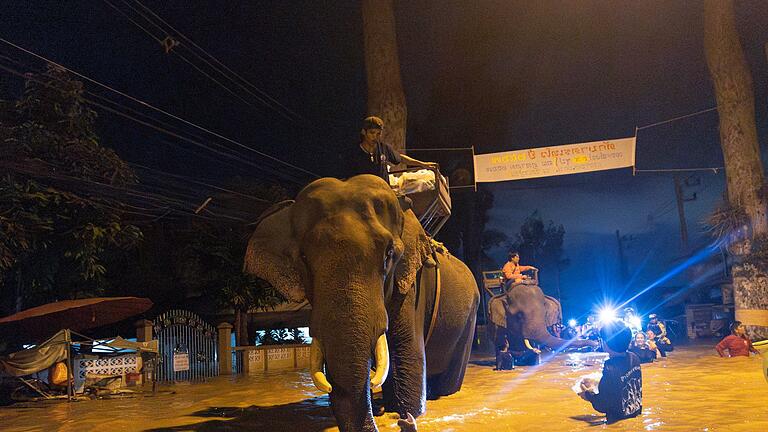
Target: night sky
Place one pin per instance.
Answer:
(496, 75)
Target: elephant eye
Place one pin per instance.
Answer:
(388, 257)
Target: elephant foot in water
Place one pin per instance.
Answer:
(407, 424)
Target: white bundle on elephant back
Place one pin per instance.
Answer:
(411, 182)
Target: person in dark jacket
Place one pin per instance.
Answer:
(642, 348)
(620, 392)
(504, 359)
(659, 330)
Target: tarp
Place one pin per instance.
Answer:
(556, 160)
(120, 343)
(37, 359)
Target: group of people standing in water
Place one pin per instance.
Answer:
(653, 343)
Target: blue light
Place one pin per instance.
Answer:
(572, 322)
(606, 314)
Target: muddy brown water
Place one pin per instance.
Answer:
(692, 390)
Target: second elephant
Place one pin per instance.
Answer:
(525, 312)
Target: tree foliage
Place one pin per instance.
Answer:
(540, 244)
(54, 234)
(283, 336)
(217, 257)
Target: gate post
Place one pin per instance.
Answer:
(143, 330)
(225, 348)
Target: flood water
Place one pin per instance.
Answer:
(692, 390)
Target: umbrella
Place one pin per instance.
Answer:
(78, 315)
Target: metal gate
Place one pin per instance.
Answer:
(187, 347)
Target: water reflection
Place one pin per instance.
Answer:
(692, 390)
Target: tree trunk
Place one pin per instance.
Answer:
(238, 326)
(738, 139)
(385, 90)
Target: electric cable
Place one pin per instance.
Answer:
(262, 94)
(265, 155)
(166, 131)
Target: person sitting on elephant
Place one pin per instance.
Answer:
(513, 271)
(374, 156)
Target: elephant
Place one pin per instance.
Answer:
(523, 311)
(352, 251)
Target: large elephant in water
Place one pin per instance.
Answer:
(351, 250)
(523, 311)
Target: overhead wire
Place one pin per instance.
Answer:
(195, 181)
(152, 107)
(111, 191)
(262, 94)
(235, 156)
(176, 192)
(158, 128)
(206, 74)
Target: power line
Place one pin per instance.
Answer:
(195, 181)
(116, 192)
(677, 118)
(262, 94)
(199, 182)
(713, 169)
(164, 130)
(160, 110)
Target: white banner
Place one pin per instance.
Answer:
(180, 362)
(557, 160)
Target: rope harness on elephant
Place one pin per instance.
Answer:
(430, 278)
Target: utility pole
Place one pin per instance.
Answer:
(622, 260)
(681, 199)
(681, 213)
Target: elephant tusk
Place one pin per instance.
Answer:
(316, 361)
(382, 362)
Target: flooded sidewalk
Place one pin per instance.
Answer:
(692, 390)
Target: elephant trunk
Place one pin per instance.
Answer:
(317, 363)
(350, 381)
(349, 339)
(542, 336)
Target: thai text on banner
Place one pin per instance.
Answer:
(556, 160)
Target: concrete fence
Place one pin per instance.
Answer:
(252, 359)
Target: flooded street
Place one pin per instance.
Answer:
(693, 390)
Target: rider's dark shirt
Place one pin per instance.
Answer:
(362, 162)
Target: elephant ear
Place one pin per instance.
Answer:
(498, 311)
(272, 251)
(553, 313)
(416, 249)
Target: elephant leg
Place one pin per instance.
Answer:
(449, 381)
(405, 388)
